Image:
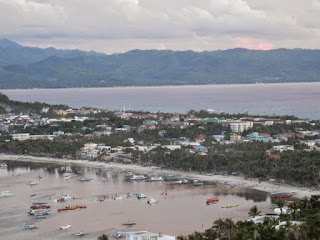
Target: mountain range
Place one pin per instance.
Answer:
(32, 67)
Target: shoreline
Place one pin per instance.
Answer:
(165, 86)
(236, 180)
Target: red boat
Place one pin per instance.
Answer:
(40, 206)
(282, 195)
(212, 200)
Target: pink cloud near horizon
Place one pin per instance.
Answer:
(254, 44)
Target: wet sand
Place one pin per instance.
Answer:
(250, 183)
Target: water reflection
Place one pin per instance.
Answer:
(180, 211)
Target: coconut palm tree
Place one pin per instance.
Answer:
(294, 206)
(254, 211)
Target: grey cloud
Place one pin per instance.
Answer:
(199, 24)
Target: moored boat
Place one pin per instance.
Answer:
(72, 208)
(152, 201)
(31, 183)
(80, 234)
(212, 200)
(65, 227)
(85, 179)
(230, 206)
(142, 196)
(6, 194)
(39, 212)
(3, 165)
(29, 226)
(282, 195)
(138, 178)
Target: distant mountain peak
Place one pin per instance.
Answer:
(7, 43)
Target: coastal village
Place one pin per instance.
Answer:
(233, 131)
(179, 148)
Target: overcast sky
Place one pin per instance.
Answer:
(120, 25)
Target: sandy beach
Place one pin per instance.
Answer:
(236, 180)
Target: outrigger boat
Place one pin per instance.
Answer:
(40, 205)
(230, 206)
(72, 208)
(282, 195)
(212, 200)
(39, 212)
(6, 194)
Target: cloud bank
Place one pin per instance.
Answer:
(121, 25)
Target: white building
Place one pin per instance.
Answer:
(144, 235)
(238, 127)
(20, 136)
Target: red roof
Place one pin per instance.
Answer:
(200, 137)
(264, 134)
(274, 155)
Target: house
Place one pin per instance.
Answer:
(201, 149)
(200, 138)
(219, 138)
(144, 235)
(235, 137)
(282, 148)
(263, 137)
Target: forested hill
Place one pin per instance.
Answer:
(26, 67)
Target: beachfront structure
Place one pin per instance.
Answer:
(27, 136)
(239, 127)
(144, 235)
(282, 148)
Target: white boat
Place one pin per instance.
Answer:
(33, 183)
(29, 226)
(156, 179)
(39, 212)
(176, 182)
(138, 178)
(67, 226)
(117, 198)
(3, 165)
(6, 194)
(184, 181)
(103, 179)
(63, 198)
(80, 234)
(152, 201)
(67, 177)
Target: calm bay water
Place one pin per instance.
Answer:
(299, 99)
(182, 211)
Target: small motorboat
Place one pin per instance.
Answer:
(67, 226)
(80, 234)
(117, 198)
(152, 201)
(29, 226)
(142, 196)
